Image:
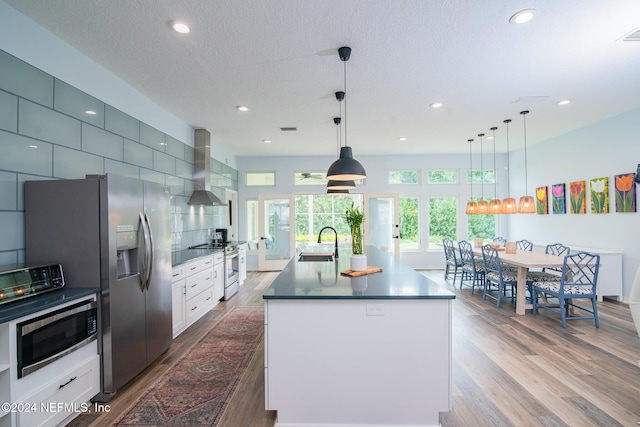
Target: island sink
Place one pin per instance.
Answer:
(315, 257)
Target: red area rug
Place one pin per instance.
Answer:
(198, 387)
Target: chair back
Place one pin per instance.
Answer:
(491, 258)
(556, 249)
(500, 240)
(581, 269)
(450, 252)
(524, 245)
(466, 253)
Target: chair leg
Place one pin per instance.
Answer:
(563, 311)
(500, 291)
(446, 271)
(595, 311)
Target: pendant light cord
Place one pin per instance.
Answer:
(526, 174)
(507, 121)
(495, 169)
(481, 169)
(345, 103)
(470, 167)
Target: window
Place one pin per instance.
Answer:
(409, 223)
(443, 219)
(256, 179)
(314, 211)
(403, 177)
(310, 178)
(481, 226)
(252, 225)
(443, 176)
(477, 176)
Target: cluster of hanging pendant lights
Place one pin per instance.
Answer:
(526, 204)
(345, 170)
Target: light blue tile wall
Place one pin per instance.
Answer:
(46, 133)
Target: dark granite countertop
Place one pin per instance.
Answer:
(322, 280)
(186, 255)
(36, 303)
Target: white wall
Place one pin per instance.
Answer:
(610, 147)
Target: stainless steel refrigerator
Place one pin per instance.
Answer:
(113, 232)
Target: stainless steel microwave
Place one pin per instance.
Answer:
(47, 338)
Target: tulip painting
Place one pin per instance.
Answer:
(625, 193)
(600, 195)
(578, 205)
(557, 191)
(542, 200)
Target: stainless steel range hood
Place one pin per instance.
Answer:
(202, 171)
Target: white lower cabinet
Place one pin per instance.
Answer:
(197, 287)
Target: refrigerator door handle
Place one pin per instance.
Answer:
(145, 258)
(149, 250)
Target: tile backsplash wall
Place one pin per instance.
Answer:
(51, 130)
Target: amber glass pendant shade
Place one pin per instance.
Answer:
(495, 206)
(527, 205)
(472, 208)
(483, 207)
(509, 206)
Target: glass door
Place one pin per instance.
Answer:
(382, 222)
(277, 231)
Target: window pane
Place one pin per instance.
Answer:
(442, 220)
(445, 176)
(252, 224)
(403, 177)
(481, 175)
(481, 226)
(409, 224)
(310, 178)
(253, 179)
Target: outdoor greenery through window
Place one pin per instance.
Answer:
(403, 177)
(443, 220)
(314, 211)
(481, 226)
(409, 223)
(444, 176)
(481, 175)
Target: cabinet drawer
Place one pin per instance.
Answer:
(198, 283)
(218, 257)
(177, 273)
(197, 266)
(199, 305)
(64, 396)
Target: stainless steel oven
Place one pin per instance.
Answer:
(46, 338)
(231, 271)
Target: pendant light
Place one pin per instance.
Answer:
(526, 205)
(483, 205)
(495, 205)
(508, 203)
(472, 206)
(346, 167)
(333, 185)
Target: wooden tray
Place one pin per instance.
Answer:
(369, 270)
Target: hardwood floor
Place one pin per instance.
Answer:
(508, 370)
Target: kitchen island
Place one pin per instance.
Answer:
(369, 350)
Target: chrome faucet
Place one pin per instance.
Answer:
(334, 232)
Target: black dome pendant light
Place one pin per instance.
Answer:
(346, 167)
(335, 185)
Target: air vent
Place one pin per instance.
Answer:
(530, 100)
(289, 129)
(633, 36)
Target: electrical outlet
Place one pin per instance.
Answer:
(375, 309)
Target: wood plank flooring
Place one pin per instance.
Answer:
(508, 370)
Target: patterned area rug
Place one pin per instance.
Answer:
(198, 387)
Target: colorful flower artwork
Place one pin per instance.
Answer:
(557, 191)
(577, 190)
(625, 193)
(542, 200)
(600, 195)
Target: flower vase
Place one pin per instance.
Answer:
(359, 262)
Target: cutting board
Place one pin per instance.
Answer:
(369, 270)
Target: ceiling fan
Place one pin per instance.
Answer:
(309, 175)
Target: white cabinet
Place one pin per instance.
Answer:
(197, 286)
(242, 263)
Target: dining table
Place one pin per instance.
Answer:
(525, 260)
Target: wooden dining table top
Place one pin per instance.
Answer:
(527, 259)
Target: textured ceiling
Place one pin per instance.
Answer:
(279, 57)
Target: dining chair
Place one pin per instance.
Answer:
(451, 259)
(500, 240)
(579, 277)
(472, 267)
(524, 245)
(550, 274)
(496, 275)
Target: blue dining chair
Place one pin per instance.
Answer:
(549, 274)
(472, 267)
(495, 275)
(524, 245)
(451, 260)
(579, 277)
(500, 240)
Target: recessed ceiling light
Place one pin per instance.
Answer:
(180, 27)
(564, 102)
(33, 146)
(522, 17)
(90, 112)
(435, 105)
(403, 138)
(266, 141)
(242, 108)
